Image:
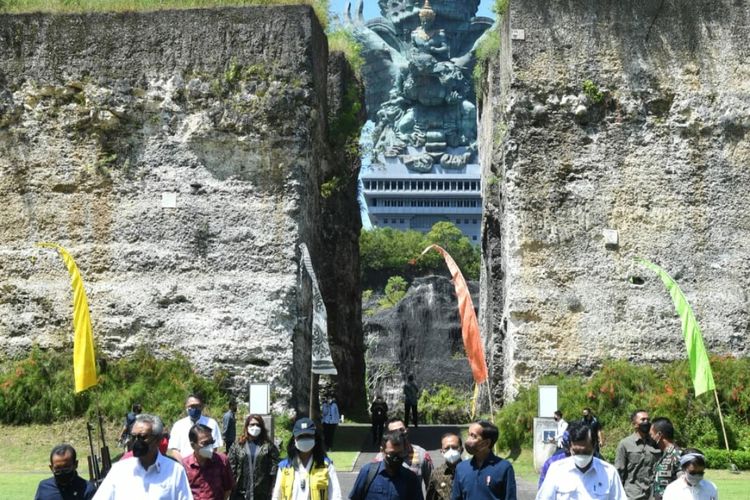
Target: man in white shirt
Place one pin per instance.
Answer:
(562, 425)
(179, 442)
(581, 475)
(147, 475)
(691, 484)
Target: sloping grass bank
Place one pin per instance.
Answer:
(70, 6)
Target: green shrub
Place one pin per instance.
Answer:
(283, 425)
(592, 92)
(619, 388)
(445, 405)
(340, 39)
(394, 291)
(721, 459)
(39, 389)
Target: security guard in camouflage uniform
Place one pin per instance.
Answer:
(441, 480)
(668, 466)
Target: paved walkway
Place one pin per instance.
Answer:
(426, 436)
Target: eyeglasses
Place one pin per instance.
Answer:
(142, 437)
(206, 443)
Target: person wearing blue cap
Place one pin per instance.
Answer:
(307, 473)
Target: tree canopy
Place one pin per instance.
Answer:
(385, 252)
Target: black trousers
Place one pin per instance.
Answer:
(377, 432)
(329, 431)
(413, 408)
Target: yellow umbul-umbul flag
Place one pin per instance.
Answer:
(84, 364)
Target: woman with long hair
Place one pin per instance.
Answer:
(307, 472)
(254, 460)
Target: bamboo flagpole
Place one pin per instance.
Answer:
(721, 420)
(489, 396)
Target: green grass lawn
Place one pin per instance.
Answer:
(343, 460)
(25, 457)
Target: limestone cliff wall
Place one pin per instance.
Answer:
(622, 115)
(104, 117)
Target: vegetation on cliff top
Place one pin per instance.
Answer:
(341, 39)
(18, 6)
(386, 252)
(488, 48)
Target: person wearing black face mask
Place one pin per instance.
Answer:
(66, 483)
(485, 475)
(388, 479)
(636, 458)
(148, 471)
(596, 430)
(665, 471)
(179, 443)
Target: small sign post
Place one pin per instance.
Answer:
(259, 403)
(545, 426)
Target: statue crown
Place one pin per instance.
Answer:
(426, 11)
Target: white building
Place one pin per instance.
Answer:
(399, 198)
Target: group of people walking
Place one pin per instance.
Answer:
(648, 464)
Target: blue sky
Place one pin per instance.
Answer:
(372, 11)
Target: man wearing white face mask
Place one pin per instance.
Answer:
(691, 485)
(307, 473)
(441, 480)
(208, 472)
(581, 475)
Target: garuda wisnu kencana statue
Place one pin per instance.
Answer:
(418, 79)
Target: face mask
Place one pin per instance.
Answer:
(254, 431)
(194, 413)
(140, 448)
(643, 427)
(206, 451)
(582, 461)
(452, 456)
(304, 445)
(394, 461)
(64, 476)
(693, 479)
